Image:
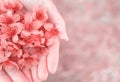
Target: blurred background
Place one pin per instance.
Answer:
(93, 51)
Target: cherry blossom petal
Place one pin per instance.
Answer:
(25, 33)
(9, 13)
(37, 24)
(5, 28)
(21, 42)
(48, 26)
(7, 54)
(1, 52)
(28, 18)
(16, 17)
(2, 18)
(13, 45)
(3, 59)
(15, 38)
(35, 32)
(17, 27)
(19, 53)
(3, 42)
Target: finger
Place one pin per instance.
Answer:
(15, 74)
(28, 74)
(53, 57)
(4, 77)
(34, 72)
(42, 68)
(56, 19)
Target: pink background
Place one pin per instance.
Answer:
(93, 51)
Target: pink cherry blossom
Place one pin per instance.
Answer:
(11, 4)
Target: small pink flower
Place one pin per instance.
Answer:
(10, 17)
(40, 14)
(51, 30)
(7, 17)
(11, 31)
(37, 24)
(32, 39)
(12, 4)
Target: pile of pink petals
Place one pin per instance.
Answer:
(24, 35)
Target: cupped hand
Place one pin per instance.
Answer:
(47, 63)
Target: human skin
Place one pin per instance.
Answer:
(47, 64)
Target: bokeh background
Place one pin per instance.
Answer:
(93, 51)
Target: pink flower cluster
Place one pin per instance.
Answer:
(24, 35)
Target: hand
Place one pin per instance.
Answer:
(48, 63)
